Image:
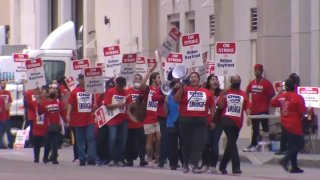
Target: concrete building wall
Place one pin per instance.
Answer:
(4, 12)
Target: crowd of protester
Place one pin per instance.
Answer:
(184, 126)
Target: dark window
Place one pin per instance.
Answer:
(211, 25)
(53, 70)
(254, 19)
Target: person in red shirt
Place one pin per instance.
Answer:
(30, 97)
(233, 103)
(151, 124)
(292, 107)
(115, 100)
(6, 125)
(162, 119)
(194, 104)
(39, 126)
(2, 120)
(262, 92)
(53, 111)
(81, 105)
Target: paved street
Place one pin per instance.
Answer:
(18, 164)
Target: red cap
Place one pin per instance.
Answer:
(258, 67)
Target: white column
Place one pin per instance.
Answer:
(15, 22)
(315, 43)
(274, 38)
(41, 21)
(89, 40)
(65, 11)
(300, 40)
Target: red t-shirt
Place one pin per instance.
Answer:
(196, 102)
(82, 104)
(132, 98)
(159, 97)
(261, 95)
(53, 110)
(7, 99)
(2, 110)
(152, 107)
(236, 102)
(113, 96)
(30, 98)
(40, 126)
(292, 107)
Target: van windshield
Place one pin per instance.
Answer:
(53, 70)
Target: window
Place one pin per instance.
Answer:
(53, 70)
(174, 20)
(211, 25)
(254, 19)
(190, 24)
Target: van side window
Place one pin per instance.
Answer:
(53, 70)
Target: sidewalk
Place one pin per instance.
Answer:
(259, 158)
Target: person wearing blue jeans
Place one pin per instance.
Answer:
(83, 135)
(115, 101)
(117, 143)
(5, 127)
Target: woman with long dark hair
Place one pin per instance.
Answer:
(194, 105)
(210, 154)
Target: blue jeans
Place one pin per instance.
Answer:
(83, 135)
(117, 141)
(5, 127)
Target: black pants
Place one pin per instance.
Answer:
(295, 145)
(164, 140)
(283, 140)
(231, 150)
(174, 145)
(74, 142)
(136, 144)
(102, 143)
(37, 142)
(193, 133)
(256, 128)
(52, 142)
(210, 154)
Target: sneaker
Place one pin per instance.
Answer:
(120, 164)
(237, 171)
(82, 163)
(161, 164)
(45, 160)
(92, 163)
(55, 162)
(223, 171)
(150, 164)
(196, 170)
(143, 163)
(185, 169)
(250, 149)
(36, 161)
(76, 161)
(173, 168)
(296, 170)
(111, 163)
(204, 169)
(213, 170)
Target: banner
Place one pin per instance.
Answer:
(172, 60)
(278, 86)
(93, 80)
(210, 67)
(192, 50)
(21, 137)
(20, 66)
(102, 65)
(170, 43)
(112, 60)
(225, 58)
(78, 66)
(141, 66)
(35, 74)
(311, 96)
(128, 67)
(71, 83)
(103, 115)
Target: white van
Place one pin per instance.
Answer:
(57, 52)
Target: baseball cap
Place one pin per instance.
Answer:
(258, 67)
(81, 76)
